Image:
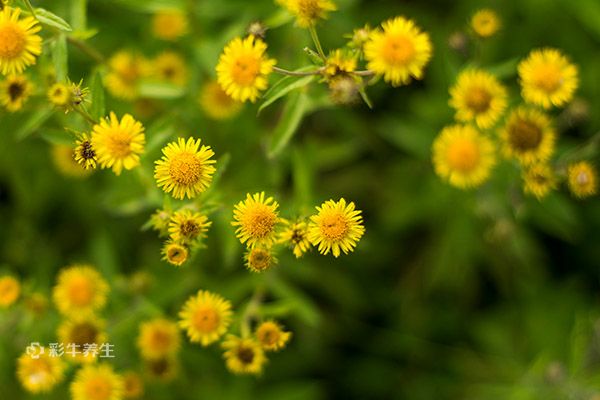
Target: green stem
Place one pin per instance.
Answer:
(298, 73)
(315, 38)
(85, 115)
(86, 49)
(251, 311)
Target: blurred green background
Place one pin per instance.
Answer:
(450, 294)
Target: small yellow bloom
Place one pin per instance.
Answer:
(486, 23)
(339, 63)
(243, 68)
(80, 331)
(133, 385)
(118, 144)
(186, 169)
(271, 336)
(528, 136)
(463, 156)
(42, 374)
(10, 289)
(19, 44)
(548, 78)
(478, 97)
(162, 369)
(80, 289)
(582, 179)
(97, 382)
(59, 94)
(259, 259)
(158, 338)
(538, 180)
(308, 12)
(336, 226)
(295, 235)
(63, 157)
(84, 152)
(399, 51)
(170, 25)
(256, 219)
(175, 253)
(216, 104)
(126, 69)
(170, 67)
(205, 317)
(243, 356)
(359, 37)
(14, 92)
(187, 226)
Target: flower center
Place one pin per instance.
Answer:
(548, 78)
(463, 155)
(87, 152)
(398, 50)
(269, 336)
(84, 333)
(81, 291)
(190, 229)
(176, 254)
(245, 70)
(98, 389)
(582, 178)
(15, 91)
(206, 319)
(12, 41)
(185, 169)
(119, 144)
(260, 222)
(245, 355)
(334, 226)
(524, 135)
(259, 259)
(160, 339)
(309, 9)
(478, 99)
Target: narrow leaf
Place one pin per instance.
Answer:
(297, 106)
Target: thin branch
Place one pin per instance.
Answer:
(298, 73)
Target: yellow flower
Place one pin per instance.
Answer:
(243, 68)
(205, 317)
(133, 386)
(79, 331)
(256, 219)
(271, 336)
(538, 180)
(463, 156)
(339, 63)
(187, 226)
(36, 304)
(486, 23)
(478, 97)
(40, 375)
(117, 144)
(162, 369)
(125, 71)
(84, 152)
(170, 67)
(64, 160)
(80, 289)
(185, 169)
(243, 356)
(582, 179)
(295, 235)
(10, 289)
(175, 253)
(259, 259)
(528, 136)
(308, 12)
(158, 338)
(170, 25)
(59, 94)
(19, 44)
(336, 226)
(14, 92)
(399, 52)
(97, 382)
(547, 78)
(216, 104)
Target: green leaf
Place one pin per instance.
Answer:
(151, 5)
(79, 14)
(297, 106)
(284, 87)
(49, 19)
(56, 136)
(97, 109)
(506, 69)
(59, 58)
(160, 90)
(33, 123)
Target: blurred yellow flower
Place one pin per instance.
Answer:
(133, 385)
(170, 25)
(216, 104)
(85, 155)
(170, 67)
(78, 331)
(41, 374)
(336, 226)
(256, 219)
(186, 169)
(399, 51)
(175, 253)
(463, 156)
(158, 338)
(63, 157)
(59, 94)
(118, 144)
(308, 12)
(243, 355)
(19, 44)
(205, 317)
(486, 23)
(478, 97)
(125, 71)
(10, 289)
(271, 336)
(582, 179)
(162, 369)
(538, 180)
(97, 382)
(243, 68)
(14, 92)
(80, 289)
(295, 235)
(528, 136)
(187, 226)
(339, 63)
(548, 78)
(259, 259)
